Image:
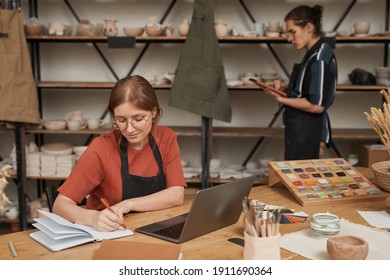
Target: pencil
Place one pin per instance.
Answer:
(12, 248)
(105, 203)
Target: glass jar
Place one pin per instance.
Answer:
(325, 224)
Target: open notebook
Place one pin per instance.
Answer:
(212, 208)
(57, 233)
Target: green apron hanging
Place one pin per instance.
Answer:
(18, 92)
(200, 83)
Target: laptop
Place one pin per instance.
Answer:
(212, 209)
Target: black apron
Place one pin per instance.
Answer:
(136, 186)
(303, 130)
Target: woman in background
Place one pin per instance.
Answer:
(311, 88)
(135, 167)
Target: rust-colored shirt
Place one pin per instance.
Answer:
(98, 171)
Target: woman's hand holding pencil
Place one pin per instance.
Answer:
(107, 205)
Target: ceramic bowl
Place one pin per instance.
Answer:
(88, 29)
(246, 80)
(269, 77)
(273, 34)
(34, 29)
(79, 150)
(59, 149)
(154, 30)
(54, 124)
(347, 247)
(133, 31)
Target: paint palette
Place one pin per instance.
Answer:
(323, 181)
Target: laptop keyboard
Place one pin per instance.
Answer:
(172, 231)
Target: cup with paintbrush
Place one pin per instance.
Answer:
(261, 231)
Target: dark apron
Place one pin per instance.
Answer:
(136, 186)
(302, 129)
(200, 82)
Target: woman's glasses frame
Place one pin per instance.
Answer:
(137, 122)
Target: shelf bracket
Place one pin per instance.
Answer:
(343, 16)
(20, 144)
(207, 143)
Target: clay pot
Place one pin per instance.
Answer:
(347, 247)
(153, 28)
(221, 29)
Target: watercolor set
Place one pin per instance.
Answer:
(323, 181)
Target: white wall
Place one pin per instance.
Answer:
(80, 62)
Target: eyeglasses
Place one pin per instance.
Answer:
(138, 122)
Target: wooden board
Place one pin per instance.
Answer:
(323, 181)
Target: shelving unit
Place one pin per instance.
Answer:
(206, 132)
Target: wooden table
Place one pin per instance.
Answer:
(213, 246)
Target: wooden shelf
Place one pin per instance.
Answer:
(178, 39)
(110, 85)
(337, 133)
(194, 180)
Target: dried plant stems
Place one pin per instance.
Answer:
(380, 120)
(3, 183)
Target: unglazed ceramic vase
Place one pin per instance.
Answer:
(221, 28)
(184, 27)
(110, 29)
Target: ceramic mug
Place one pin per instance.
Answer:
(12, 212)
(215, 164)
(94, 123)
(273, 26)
(260, 28)
(76, 124)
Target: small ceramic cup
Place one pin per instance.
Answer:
(160, 79)
(215, 164)
(361, 28)
(94, 123)
(261, 248)
(273, 26)
(76, 124)
(251, 165)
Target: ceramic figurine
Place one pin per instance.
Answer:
(57, 29)
(110, 28)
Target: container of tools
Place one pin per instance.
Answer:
(261, 231)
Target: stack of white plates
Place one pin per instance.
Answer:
(33, 164)
(48, 165)
(57, 149)
(65, 164)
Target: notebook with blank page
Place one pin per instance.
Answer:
(212, 209)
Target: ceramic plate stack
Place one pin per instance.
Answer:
(33, 164)
(65, 164)
(48, 165)
(48, 158)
